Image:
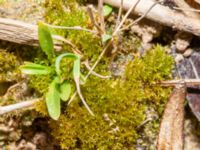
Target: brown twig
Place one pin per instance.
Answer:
(90, 13)
(100, 11)
(187, 82)
(119, 14)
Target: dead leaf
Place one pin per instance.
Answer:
(171, 128)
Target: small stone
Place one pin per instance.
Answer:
(188, 52)
(178, 58)
(183, 40)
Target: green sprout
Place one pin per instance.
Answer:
(58, 89)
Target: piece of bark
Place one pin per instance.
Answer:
(197, 1)
(171, 128)
(183, 5)
(20, 32)
(161, 14)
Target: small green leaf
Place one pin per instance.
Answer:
(45, 40)
(65, 90)
(107, 10)
(106, 37)
(53, 99)
(32, 68)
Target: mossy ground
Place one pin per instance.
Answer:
(120, 103)
(120, 106)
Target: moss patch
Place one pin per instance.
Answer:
(8, 66)
(119, 105)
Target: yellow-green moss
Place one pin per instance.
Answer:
(8, 66)
(68, 13)
(119, 105)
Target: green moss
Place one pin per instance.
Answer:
(41, 108)
(40, 83)
(119, 105)
(8, 66)
(68, 13)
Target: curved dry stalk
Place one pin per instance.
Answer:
(71, 28)
(133, 6)
(75, 49)
(90, 13)
(141, 17)
(94, 73)
(81, 96)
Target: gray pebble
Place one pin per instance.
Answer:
(179, 58)
(188, 52)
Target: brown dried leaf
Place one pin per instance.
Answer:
(171, 128)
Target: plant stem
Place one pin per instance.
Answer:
(187, 82)
(71, 28)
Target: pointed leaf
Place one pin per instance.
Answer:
(53, 100)
(107, 10)
(32, 68)
(45, 40)
(65, 90)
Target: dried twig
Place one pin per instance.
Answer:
(140, 18)
(133, 6)
(187, 9)
(94, 73)
(100, 11)
(187, 82)
(74, 48)
(90, 13)
(71, 28)
(12, 107)
(119, 14)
